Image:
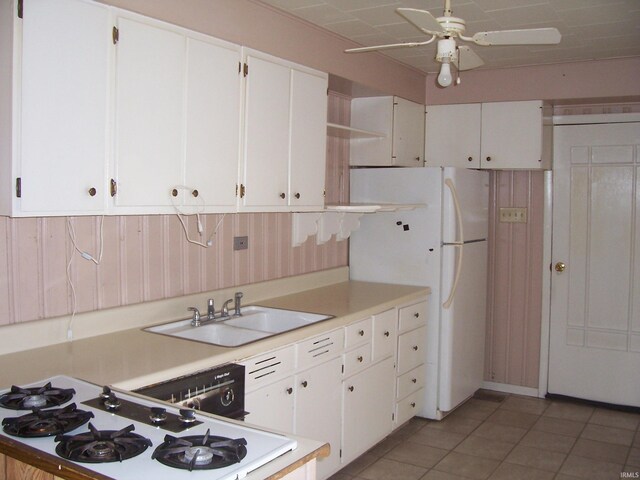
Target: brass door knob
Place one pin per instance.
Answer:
(560, 267)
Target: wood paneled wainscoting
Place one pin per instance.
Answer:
(514, 306)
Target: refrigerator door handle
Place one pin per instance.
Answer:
(458, 244)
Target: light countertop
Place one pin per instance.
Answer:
(134, 358)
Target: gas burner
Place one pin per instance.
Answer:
(44, 423)
(35, 397)
(101, 446)
(200, 452)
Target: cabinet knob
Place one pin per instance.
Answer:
(174, 192)
(488, 159)
(413, 404)
(361, 333)
(414, 380)
(386, 334)
(92, 191)
(417, 314)
(283, 196)
(351, 389)
(195, 193)
(360, 358)
(297, 195)
(415, 348)
(470, 159)
(289, 390)
(417, 159)
(304, 383)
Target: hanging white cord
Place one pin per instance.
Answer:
(180, 214)
(87, 256)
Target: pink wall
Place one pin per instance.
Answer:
(259, 26)
(602, 79)
(145, 258)
(514, 305)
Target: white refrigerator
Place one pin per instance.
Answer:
(442, 245)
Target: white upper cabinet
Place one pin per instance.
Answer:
(500, 135)
(55, 138)
(397, 132)
(177, 119)
(284, 156)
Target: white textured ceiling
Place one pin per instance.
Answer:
(591, 29)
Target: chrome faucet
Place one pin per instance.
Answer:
(195, 321)
(211, 311)
(225, 308)
(237, 298)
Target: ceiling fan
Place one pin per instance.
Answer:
(447, 28)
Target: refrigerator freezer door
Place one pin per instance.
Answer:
(462, 326)
(473, 194)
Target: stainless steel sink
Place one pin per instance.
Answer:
(255, 323)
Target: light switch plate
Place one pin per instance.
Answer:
(513, 215)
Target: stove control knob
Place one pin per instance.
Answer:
(158, 415)
(187, 416)
(106, 391)
(112, 403)
(227, 397)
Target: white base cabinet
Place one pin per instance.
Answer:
(367, 409)
(348, 387)
(498, 135)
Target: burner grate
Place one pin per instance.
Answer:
(45, 423)
(102, 446)
(200, 452)
(19, 398)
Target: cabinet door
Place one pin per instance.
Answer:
(212, 125)
(64, 94)
(272, 406)
(368, 404)
(266, 136)
(149, 114)
(408, 133)
(308, 139)
(452, 137)
(318, 410)
(512, 135)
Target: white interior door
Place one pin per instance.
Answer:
(595, 300)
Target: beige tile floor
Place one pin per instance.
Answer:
(497, 436)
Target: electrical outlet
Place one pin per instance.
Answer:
(513, 215)
(240, 243)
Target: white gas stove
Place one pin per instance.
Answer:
(182, 435)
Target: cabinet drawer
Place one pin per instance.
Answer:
(359, 332)
(357, 359)
(269, 367)
(412, 316)
(410, 382)
(320, 349)
(409, 407)
(411, 351)
(384, 334)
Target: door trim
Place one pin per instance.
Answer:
(545, 323)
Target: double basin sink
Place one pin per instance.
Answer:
(256, 323)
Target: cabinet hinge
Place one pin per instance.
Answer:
(115, 35)
(239, 67)
(246, 69)
(340, 453)
(20, 8)
(393, 417)
(113, 187)
(342, 368)
(242, 191)
(19, 187)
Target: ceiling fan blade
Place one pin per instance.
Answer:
(467, 59)
(532, 36)
(422, 20)
(385, 47)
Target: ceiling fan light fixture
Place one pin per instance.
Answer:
(444, 77)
